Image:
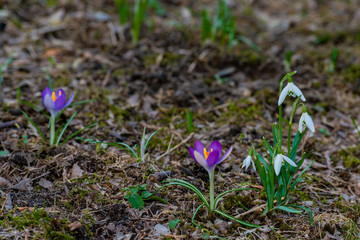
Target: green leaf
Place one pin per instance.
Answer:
(219, 197)
(311, 216)
(189, 121)
(156, 199)
(122, 146)
(48, 77)
(3, 153)
(148, 140)
(289, 209)
(77, 132)
(269, 148)
(63, 130)
(35, 126)
(237, 220)
(145, 194)
(356, 126)
(136, 201)
(187, 185)
(250, 43)
(173, 223)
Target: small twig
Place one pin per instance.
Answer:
(174, 148)
(8, 124)
(252, 210)
(159, 176)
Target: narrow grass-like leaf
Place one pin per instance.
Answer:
(205, 26)
(35, 126)
(148, 140)
(77, 132)
(63, 130)
(48, 77)
(250, 43)
(311, 216)
(288, 209)
(269, 148)
(194, 215)
(356, 126)
(300, 175)
(189, 121)
(220, 196)
(237, 220)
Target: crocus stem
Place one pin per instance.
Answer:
(52, 130)
(212, 203)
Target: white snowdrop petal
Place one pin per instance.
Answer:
(309, 122)
(277, 164)
(291, 162)
(283, 94)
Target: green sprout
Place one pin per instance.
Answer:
(3, 67)
(222, 27)
(334, 57)
(123, 9)
(139, 15)
(136, 195)
(355, 125)
(189, 121)
(288, 56)
(140, 155)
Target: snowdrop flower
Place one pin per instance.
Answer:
(248, 160)
(279, 160)
(306, 121)
(208, 159)
(292, 90)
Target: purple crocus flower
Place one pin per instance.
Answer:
(55, 101)
(208, 159)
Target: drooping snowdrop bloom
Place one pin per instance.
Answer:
(248, 160)
(208, 159)
(279, 160)
(306, 121)
(55, 101)
(292, 90)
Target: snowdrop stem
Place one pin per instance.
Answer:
(280, 127)
(211, 178)
(52, 130)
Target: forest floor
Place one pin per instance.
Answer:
(75, 191)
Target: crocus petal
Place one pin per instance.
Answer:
(69, 101)
(201, 160)
(291, 162)
(309, 122)
(226, 155)
(45, 92)
(298, 92)
(215, 145)
(49, 104)
(283, 94)
(60, 100)
(301, 123)
(191, 150)
(199, 147)
(277, 164)
(213, 159)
